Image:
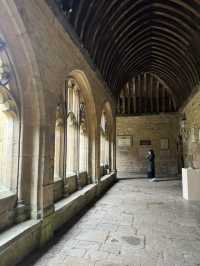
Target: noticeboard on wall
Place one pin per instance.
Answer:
(124, 141)
(164, 144)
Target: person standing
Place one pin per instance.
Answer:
(151, 165)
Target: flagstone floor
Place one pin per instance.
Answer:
(136, 223)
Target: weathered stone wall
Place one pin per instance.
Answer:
(22, 239)
(153, 128)
(7, 213)
(43, 56)
(191, 132)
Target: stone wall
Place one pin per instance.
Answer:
(191, 132)
(154, 128)
(22, 239)
(43, 56)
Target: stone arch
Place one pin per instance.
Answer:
(29, 96)
(87, 93)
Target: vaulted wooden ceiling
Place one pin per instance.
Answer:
(127, 37)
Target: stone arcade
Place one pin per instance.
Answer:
(87, 87)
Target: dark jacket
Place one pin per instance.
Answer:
(151, 165)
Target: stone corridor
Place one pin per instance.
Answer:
(136, 223)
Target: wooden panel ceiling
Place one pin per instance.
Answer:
(125, 38)
(145, 94)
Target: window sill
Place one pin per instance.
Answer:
(11, 235)
(105, 177)
(57, 180)
(7, 200)
(82, 172)
(71, 175)
(67, 208)
(73, 197)
(5, 193)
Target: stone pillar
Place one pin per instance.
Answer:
(46, 182)
(191, 184)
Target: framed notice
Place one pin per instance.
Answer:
(164, 144)
(124, 141)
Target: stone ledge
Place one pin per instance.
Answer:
(106, 182)
(58, 180)
(107, 177)
(17, 231)
(7, 209)
(7, 198)
(4, 193)
(19, 241)
(64, 203)
(67, 208)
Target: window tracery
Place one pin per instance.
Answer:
(77, 135)
(105, 144)
(9, 127)
(59, 143)
(83, 145)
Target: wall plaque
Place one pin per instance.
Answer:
(164, 144)
(145, 142)
(124, 141)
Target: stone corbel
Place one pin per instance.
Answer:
(72, 119)
(9, 106)
(185, 133)
(83, 128)
(3, 95)
(4, 68)
(4, 75)
(59, 122)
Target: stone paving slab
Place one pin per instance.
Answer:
(71, 261)
(93, 235)
(136, 223)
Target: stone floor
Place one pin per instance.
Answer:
(136, 223)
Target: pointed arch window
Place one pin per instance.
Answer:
(9, 128)
(59, 144)
(77, 135)
(104, 145)
(83, 139)
(72, 128)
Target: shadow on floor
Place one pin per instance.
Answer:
(33, 257)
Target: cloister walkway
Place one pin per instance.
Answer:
(135, 223)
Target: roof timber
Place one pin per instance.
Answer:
(126, 38)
